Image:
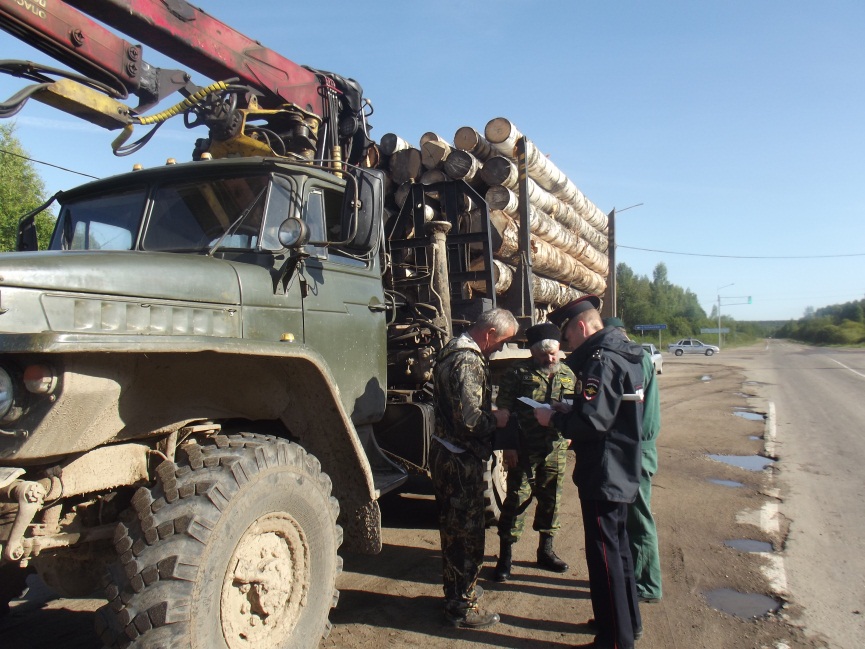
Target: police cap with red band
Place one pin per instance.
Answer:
(563, 314)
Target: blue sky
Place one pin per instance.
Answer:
(739, 126)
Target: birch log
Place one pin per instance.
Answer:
(391, 143)
(405, 165)
(548, 229)
(431, 176)
(430, 136)
(498, 170)
(503, 135)
(544, 290)
(468, 139)
(462, 165)
(547, 260)
(434, 153)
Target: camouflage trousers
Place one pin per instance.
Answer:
(458, 481)
(538, 476)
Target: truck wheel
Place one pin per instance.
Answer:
(679, 352)
(496, 477)
(235, 546)
(709, 352)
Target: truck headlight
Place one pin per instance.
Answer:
(7, 392)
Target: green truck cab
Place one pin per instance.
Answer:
(189, 380)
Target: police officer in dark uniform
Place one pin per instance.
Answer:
(604, 424)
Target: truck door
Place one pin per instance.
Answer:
(342, 308)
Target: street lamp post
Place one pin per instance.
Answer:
(719, 310)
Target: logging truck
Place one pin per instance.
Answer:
(218, 367)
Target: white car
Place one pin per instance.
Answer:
(692, 346)
(657, 359)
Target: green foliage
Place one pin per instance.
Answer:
(641, 300)
(21, 190)
(838, 324)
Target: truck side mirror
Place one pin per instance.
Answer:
(362, 235)
(27, 234)
(26, 239)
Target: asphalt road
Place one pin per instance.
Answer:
(819, 397)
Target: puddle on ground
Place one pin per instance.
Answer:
(754, 383)
(744, 395)
(744, 605)
(706, 377)
(725, 483)
(755, 438)
(744, 413)
(749, 462)
(749, 545)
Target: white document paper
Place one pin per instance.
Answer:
(533, 403)
(637, 396)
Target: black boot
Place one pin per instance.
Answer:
(547, 558)
(503, 567)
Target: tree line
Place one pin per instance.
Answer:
(641, 300)
(837, 324)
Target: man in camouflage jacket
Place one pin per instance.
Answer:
(540, 467)
(461, 446)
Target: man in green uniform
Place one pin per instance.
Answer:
(463, 442)
(642, 533)
(539, 470)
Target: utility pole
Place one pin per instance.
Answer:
(719, 310)
(610, 306)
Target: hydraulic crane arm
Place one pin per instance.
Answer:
(195, 39)
(264, 105)
(85, 46)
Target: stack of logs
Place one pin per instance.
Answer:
(568, 233)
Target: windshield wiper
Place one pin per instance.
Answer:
(237, 221)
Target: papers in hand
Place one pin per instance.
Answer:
(637, 396)
(534, 404)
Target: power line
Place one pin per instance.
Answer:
(697, 254)
(72, 171)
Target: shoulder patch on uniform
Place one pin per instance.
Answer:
(566, 380)
(591, 387)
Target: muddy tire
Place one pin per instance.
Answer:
(235, 546)
(496, 477)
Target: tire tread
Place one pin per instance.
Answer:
(161, 538)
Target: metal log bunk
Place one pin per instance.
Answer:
(413, 235)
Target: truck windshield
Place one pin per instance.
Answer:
(184, 216)
(107, 222)
(195, 215)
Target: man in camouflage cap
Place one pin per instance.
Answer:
(462, 444)
(538, 469)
